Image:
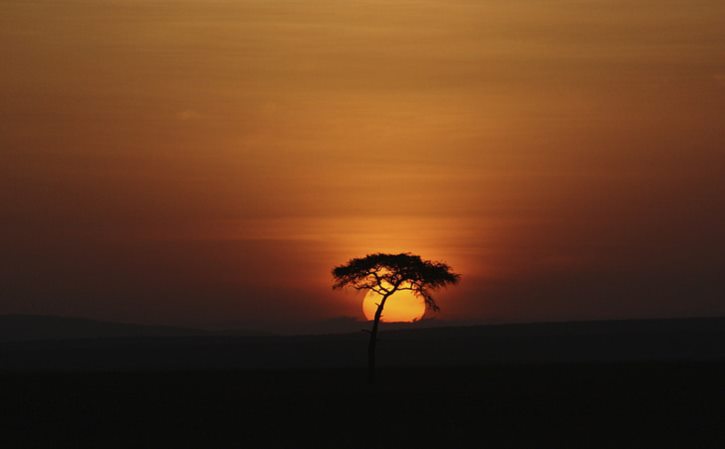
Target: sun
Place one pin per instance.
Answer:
(402, 306)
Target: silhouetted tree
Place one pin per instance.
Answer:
(386, 274)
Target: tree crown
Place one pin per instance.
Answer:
(387, 273)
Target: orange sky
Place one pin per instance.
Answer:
(207, 162)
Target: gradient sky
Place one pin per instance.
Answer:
(207, 162)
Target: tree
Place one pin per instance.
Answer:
(386, 274)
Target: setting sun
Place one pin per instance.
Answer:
(402, 306)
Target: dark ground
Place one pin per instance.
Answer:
(619, 384)
(556, 405)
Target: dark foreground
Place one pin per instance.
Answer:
(626, 405)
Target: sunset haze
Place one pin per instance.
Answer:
(207, 162)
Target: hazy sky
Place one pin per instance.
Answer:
(207, 162)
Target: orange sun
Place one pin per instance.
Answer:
(402, 306)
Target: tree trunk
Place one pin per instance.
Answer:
(374, 340)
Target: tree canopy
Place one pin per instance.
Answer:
(387, 273)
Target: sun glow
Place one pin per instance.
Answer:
(402, 306)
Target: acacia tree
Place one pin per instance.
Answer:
(386, 274)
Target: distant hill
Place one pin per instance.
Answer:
(19, 327)
(162, 348)
(344, 324)
(38, 327)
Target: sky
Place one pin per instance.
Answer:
(207, 162)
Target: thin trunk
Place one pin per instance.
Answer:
(374, 340)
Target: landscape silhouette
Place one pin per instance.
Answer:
(362, 224)
(637, 383)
